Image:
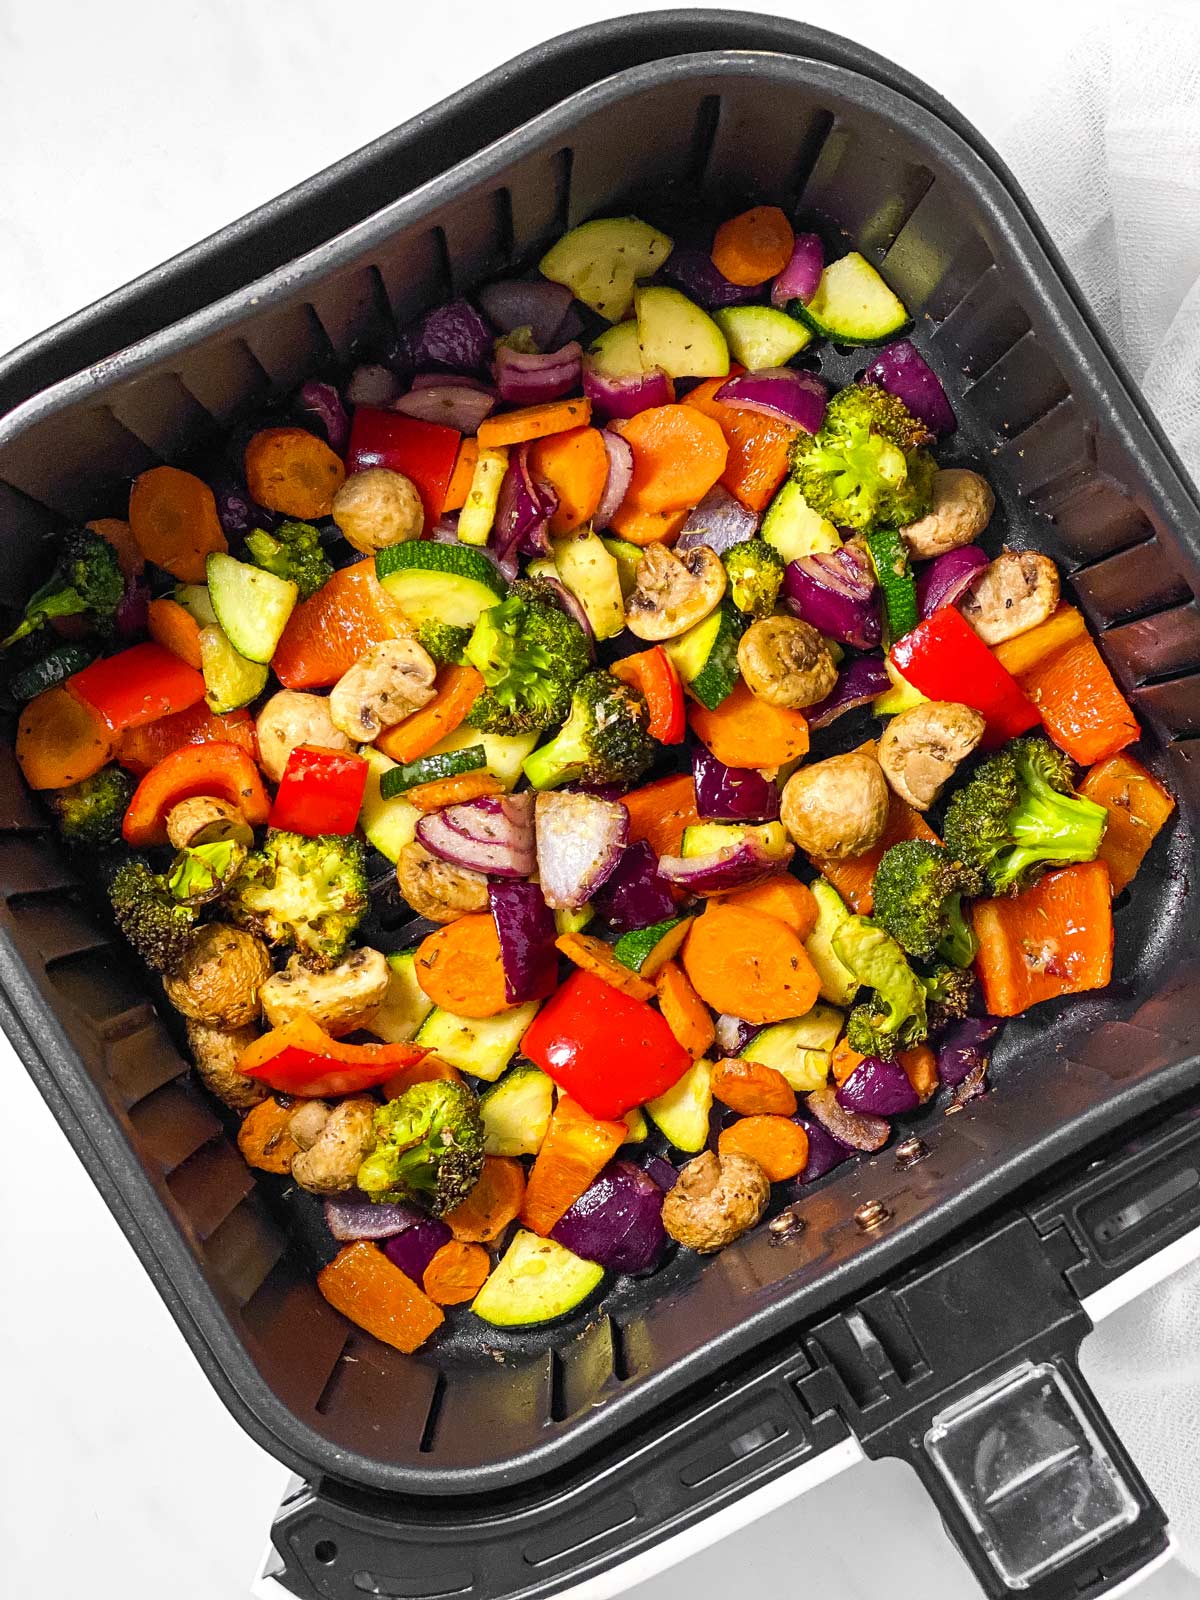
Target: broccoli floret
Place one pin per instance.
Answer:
(865, 468)
(918, 891)
(86, 580)
(604, 740)
(292, 551)
(90, 812)
(948, 994)
(155, 924)
(530, 654)
(307, 894)
(203, 872)
(430, 1147)
(894, 1017)
(445, 641)
(755, 572)
(1020, 814)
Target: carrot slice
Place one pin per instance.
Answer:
(460, 479)
(264, 1139)
(745, 731)
(646, 527)
(458, 688)
(752, 1089)
(575, 465)
(845, 1059)
(120, 535)
(1061, 628)
(442, 792)
(754, 246)
(920, 1068)
(60, 741)
(749, 964)
(173, 517)
(1052, 939)
(365, 1286)
(678, 454)
(784, 897)
(492, 1204)
(292, 471)
(572, 1154)
(758, 445)
(456, 1272)
(660, 811)
(326, 634)
(534, 422)
(139, 749)
(779, 1145)
(430, 1069)
(683, 1010)
(176, 630)
(1138, 807)
(1080, 705)
(854, 876)
(460, 969)
(594, 956)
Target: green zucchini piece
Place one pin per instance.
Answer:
(535, 1280)
(230, 680)
(838, 983)
(479, 511)
(251, 606)
(53, 669)
(761, 336)
(504, 751)
(195, 600)
(439, 582)
(853, 305)
(616, 352)
(647, 950)
(568, 921)
(708, 838)
(600, 261)
(388, 824)
(800, 1049)
(900, 697)
(794, 528)
(639, 1128)
(593, 577)
(405, 1005)
(516, 1111)
(431, 768)
(676, 335)
(482, 1046)
(705, 657)
(628, 558)
(889, 557)
(682, 1113)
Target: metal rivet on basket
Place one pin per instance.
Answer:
(787, 1225)
(873, 1215)
(909, 1151)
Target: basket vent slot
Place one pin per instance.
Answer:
(160, 411)
(209, 1184)
(171, 1123)
(429, 1431)
(1156, 646)
(1020, 387)
(1128, 584)
(243, 1250)
(984, 324)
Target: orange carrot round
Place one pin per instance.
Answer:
(678, 454)
(660, 811)
(745, 731)
(492, 1204)
(754, 246)
(460, 969)
(753, 1089)
(594, 956)
(458, 688)
(456, 1273)
(292, 471)
(176, 630)
(782, 896)
(264, 1139)
(750, 965)
(845, 1059)
(779, 1145)
(685, 1013)
(920, 1068)
(60, 741)
(575, 465)
(533, 422)
(646, 527)
(173, 515)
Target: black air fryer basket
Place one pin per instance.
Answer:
(506, 1464)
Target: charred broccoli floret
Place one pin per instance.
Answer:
(1020, 814)
(90, 812)
(918, 889)
(154, 923)
(445, 641)
(306, 894)
(293, 551)
(203, 872)
(530, 655)
(948, 994)
(86, 581)
(865, 468)
(429, 1149)
(894, 1016)
(755, 572)
(604, 740)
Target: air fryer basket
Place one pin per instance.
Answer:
(1079, 473)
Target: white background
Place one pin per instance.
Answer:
(128, 131)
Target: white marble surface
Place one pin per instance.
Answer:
(129, 130)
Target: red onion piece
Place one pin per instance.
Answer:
(824, 1151)
(580, 839)
(352, 1216)
(835, 591)
(537, 305)
(525, 927)
(529, 380)
(452, 336)
(625, 396)
(635, 894)
(493, 835)
(734, 1033)
(947, 578)
(903, 371)
(237, 513)
(735, 867)
(862, 680)
(664, 1174)
(620, 475)
(782, 392)
(963, 1047)
(799, 279)
(521, 506)
(719, 521)
(617, 1221)
(454, 405)
(444, 380)
(372, 386)
(415, 1248)
(322, 402)
(133, 611)
(732, 794)
(851, 1128)
(878, 1088)
(695, 273)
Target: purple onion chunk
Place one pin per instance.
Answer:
(626, 395)
(835, 591)
(799, 279)
(735, 867)
(460, 406)
(694, 273)
(617, 1222)
(781, 392)
(664, 1174)
(824, 1150)
(946, 578)
(903, 371)
(635, 896)
(534, 379)
(323, 404)
(372, 385)
(452, 336)
(963, 1046)
(133, 611)
(878, 1088)
(857, 1129)
(620, 476)
(734, 1034)
(415, 1248)
(352, 1216)
(580, 840)
(534, 304)
(493, 835)
(526, 930)
(237, 513)
(719, 521)
(732, 794)
(858, 685)
(523, 507)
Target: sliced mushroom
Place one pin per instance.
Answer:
(921, 747)
(1011, 595)
(206, 820)
(786, 662)
(837, 807)
(331, 1162)
(215, 1053)
(962, 507)
(717, 1199)
(342, 999)
(393, 679)
(220, 977)
(437, 890)
(377, 508)
(290, 718)
(674, 592)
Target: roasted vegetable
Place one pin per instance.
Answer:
(919, 888)
(894, 1016)
(865, 468)
(154, 923)
(306, 894)
(429, 1147)
(754, 569)
(530, 655)
(86, 580)
(444, 641)
(294, 552)
(90, 812)
(604, 740)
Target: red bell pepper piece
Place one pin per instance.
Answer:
(946, 659)
(300, 1058)
(137, 686)
(220, 769)
(423, 451)
(607, 1051)
(139, 749)
(651, 672)
(321, 791)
